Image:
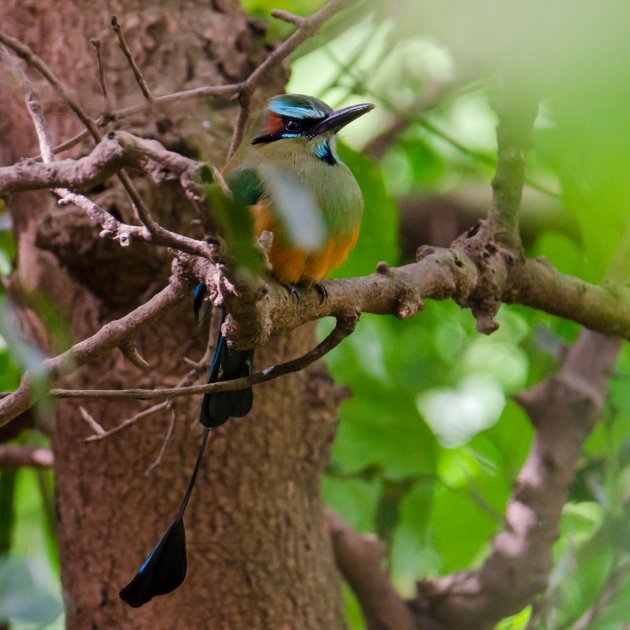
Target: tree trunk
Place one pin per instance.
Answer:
(258, 552)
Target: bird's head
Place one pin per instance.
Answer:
(297, 116)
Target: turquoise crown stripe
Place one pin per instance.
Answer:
(299, 106)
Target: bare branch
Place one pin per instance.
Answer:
(116, 150)
(285, 16)
(358, 558)
(242, 117)
(32, 103)
(13, 456)
(109, 336)
(128, 422)
(91, 422)
(564, 409)
(98, 47)
(167, 438)
(517, 113)
(140, 80)
(344, 327)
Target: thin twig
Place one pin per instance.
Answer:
(91, 422)
(244, 105)
(167, 438)
(344, 327)
(306, 28)
(33, 60)
(32, 103)
(286, 16)
(128, 422)
(140, 80)
(188, 378)
(109, 336)
(517, 111)
(13, 456)
(98, 48)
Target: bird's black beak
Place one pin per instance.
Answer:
(335, 121)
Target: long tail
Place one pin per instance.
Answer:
(165, 567)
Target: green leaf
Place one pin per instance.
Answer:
(355, 500)
(459, 539)
(301, 218)
(237, 225)
(411, 555)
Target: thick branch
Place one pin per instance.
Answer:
(461, 272)
(109, 156)
(359, 557)
(564, 408)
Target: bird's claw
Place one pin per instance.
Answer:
(292, 289)
(321, 289)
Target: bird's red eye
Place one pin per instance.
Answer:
(292, 126)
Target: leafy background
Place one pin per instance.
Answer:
(431, 439)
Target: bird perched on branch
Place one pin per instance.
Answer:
(298, 189)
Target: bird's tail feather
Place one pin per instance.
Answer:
(227, 364)
(165, 567)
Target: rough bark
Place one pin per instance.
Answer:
(259, 555)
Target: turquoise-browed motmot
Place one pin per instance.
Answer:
(297, 142)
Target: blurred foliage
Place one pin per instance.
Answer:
(430, 441)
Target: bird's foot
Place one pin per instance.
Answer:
(321, 289)
(292, 289)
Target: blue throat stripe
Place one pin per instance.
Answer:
(325, 152)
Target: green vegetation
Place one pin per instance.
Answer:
(431, 439)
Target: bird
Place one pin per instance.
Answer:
(291, 160)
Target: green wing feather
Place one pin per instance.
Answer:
(246, 185)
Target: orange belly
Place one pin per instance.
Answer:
(292, 265)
